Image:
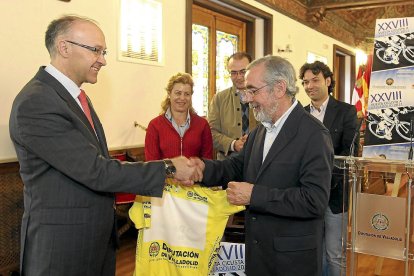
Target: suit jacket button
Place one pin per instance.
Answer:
(254, 218)
(238, 124)
(255, 242)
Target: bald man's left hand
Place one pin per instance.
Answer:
(239, 193)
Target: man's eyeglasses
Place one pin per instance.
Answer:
(236, 73)
(245, 93)
(252, 92)
(96, 50)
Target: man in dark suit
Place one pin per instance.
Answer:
(341, 120)
(68, 225)
(283, 175)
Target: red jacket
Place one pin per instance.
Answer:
(163, 141)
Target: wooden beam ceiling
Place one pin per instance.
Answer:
(358, 5)
(351, 22)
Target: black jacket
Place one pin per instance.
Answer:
(341, 121)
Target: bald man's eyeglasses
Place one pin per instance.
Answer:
(96, 50)
(237, 73)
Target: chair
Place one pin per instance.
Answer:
(123, 201)
(234, 231)
(11, 210)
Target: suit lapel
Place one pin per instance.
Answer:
(99, 130)
(330, 113)
(255, 160)
(45, 77)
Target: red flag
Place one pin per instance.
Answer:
(360, 94)
(367, 75)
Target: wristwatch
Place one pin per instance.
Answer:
(170, 169)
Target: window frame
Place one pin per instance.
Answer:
(161, 46)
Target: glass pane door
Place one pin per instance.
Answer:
(214, 38)
(227, 44)
(200, 68)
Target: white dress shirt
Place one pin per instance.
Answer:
(319, 113)
(272, 130)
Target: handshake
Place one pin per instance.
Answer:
(188, 171)
(191, 170)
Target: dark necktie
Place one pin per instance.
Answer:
(85, 106)
(245, 118)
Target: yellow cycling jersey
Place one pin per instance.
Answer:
(180, 233)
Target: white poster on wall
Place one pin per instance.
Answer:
(391, 93)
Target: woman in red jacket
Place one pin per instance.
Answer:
(178, 130)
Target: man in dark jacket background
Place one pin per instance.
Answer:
(341, 120)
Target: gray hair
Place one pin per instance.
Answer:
(278, 69)
(59, 27)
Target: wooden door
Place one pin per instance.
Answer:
(214, 38)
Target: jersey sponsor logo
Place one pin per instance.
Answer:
(154, 249)
(186, 258)
(195, 196)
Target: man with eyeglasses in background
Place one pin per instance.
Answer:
(341, 120)
(282, 175)
(68, 225)
(229, 119)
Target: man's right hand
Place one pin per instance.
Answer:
(238, 145)
(187, 171)
(199, 164)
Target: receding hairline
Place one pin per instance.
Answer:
(78, 18)
(72, 20)
(81, 22)
(62, 26)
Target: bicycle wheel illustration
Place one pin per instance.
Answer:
(409, 54)
(373, 128)
(403, 129)
(381, 55)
